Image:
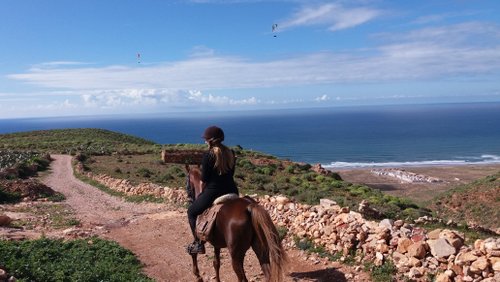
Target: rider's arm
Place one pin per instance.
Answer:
(206, 168)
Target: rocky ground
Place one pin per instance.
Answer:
(156, 233)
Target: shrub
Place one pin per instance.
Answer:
(337, 184)
(319, 178)
(267, 170)
(290, 169)
(382, 273)
(295, 180)
(304, 167)
(6, 197)
(245, 164)
(311, 176)
(259, 179)
(282, 232)
(144, 172)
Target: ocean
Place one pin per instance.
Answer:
(347, 137)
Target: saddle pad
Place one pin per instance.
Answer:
(205, 221)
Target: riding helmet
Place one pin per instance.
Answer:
(213, 132)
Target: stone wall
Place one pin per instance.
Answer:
(416, 253)
(182, 157)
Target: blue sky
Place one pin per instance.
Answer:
(64, 57)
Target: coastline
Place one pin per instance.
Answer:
(450, 176)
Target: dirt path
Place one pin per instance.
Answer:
(157, 234)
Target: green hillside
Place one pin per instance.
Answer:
(128, 157)
(477, 202)
(70, 141)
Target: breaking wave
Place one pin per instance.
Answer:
(482, 160)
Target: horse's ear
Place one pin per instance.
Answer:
(187, 167)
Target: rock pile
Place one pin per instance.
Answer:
(416, 253)
(123, 185)
(405, 176)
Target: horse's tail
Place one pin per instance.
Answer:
(268, 238)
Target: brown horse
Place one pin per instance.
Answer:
(240, 224)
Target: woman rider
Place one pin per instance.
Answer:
(217, 171)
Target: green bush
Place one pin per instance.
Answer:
(176, 171)
(267, 170)
(77, 260)
(296, 180)
(337, 184)
(319, 178)
(144, 172)
(382, 273)
(6, 197)
(310, 176)
(259, 179)
(290, 169)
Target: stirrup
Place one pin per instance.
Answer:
(195, 248)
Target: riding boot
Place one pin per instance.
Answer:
(197, 247)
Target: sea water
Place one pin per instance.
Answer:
(403, 135)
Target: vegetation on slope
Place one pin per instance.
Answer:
(128, 157)
(70, 141)
(477, 202)
(257, 173)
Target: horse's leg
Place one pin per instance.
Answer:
(263, 257)
(196, 271)
(237, 258)
(217, 263)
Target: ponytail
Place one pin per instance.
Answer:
(224, 157)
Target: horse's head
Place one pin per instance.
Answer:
(194, 176)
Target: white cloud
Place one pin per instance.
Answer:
(430, 53)
(202, 51)
(61, 64)
(322, 98)
(332, 15)
(157, 97)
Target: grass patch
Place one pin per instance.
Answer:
(58, 216)
(383, 273)
(306, 244)
(78, 260)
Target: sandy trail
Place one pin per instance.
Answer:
(157, 234)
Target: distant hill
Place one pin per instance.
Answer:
(68, 141)
(477, 202)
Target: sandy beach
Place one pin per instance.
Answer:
(420, 192)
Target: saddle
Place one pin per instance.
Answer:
(205, 222)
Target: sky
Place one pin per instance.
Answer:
(94, 57)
